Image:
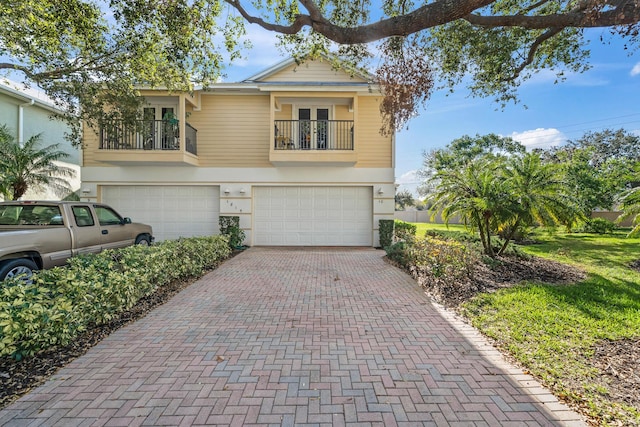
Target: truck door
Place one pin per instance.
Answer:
(113, 230)
(86, 235)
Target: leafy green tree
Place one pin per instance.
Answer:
(461, 151)
(599, 166)
(404, 198)
(31, 166)
(94, 54)
(608, 144)
(467, 148)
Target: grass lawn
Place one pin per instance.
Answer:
(553, 330)
(450, 229)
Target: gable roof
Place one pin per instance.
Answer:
(20, 93)
(284, 71)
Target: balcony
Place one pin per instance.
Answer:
(147, 142)
(313, 142)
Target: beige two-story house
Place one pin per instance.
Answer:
(294, 151)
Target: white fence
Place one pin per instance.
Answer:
(425, 216)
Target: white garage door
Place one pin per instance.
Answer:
(313, 216)
(173, 211)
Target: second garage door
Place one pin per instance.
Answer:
(173, 211)
(313, 216)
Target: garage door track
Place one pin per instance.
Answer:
(293, 337)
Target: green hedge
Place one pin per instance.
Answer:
(598, 226)
(404, 230)
(386, 232)
(230, 227)
(440, 265)
(61, 302)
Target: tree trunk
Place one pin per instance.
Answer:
(489, 248)
(483, 239)
(509, 237)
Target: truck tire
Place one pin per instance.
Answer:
(18, 267)
(143, 240)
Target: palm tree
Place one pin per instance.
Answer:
(30, 166)
(631, 208)
(537, 195)
(493, 193)
(476, 193)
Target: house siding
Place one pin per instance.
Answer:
(374, 149)
(90, 146)
(233, 131)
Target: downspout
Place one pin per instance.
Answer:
(21, 120)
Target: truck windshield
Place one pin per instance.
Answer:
(30, 215)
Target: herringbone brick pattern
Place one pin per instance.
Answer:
(291, 337)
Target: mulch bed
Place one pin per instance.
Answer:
(619, 365)
(506, 272)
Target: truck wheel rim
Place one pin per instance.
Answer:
(24, 272)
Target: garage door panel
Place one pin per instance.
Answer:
(313, 216)
(172, 211)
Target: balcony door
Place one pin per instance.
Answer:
(160, 128)
(313, 133)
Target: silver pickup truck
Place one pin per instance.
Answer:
(37, 235)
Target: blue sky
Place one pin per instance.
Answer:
(606, 96)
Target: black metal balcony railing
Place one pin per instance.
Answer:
(313, 134)
(146, 135)
(191, 139)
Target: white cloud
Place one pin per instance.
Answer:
(539, 138)
(635, 70)
(408, 181)
(408, 177)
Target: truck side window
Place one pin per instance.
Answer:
(9, 214)
(48, 215)
(82, 215)
(107, 216)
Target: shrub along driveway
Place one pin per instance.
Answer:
(292, 336)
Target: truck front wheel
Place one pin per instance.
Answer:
(22, 268)
(143, 240)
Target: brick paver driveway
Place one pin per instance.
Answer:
(290, 337)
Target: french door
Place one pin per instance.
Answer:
(160, 130)
(313, 133)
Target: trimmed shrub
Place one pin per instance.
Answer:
(597, 226)
(404, 230)
(230, 227)
(444, 267)
(386, 232)
(94, 289)
(442, 259)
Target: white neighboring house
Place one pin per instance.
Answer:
(27, 113)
